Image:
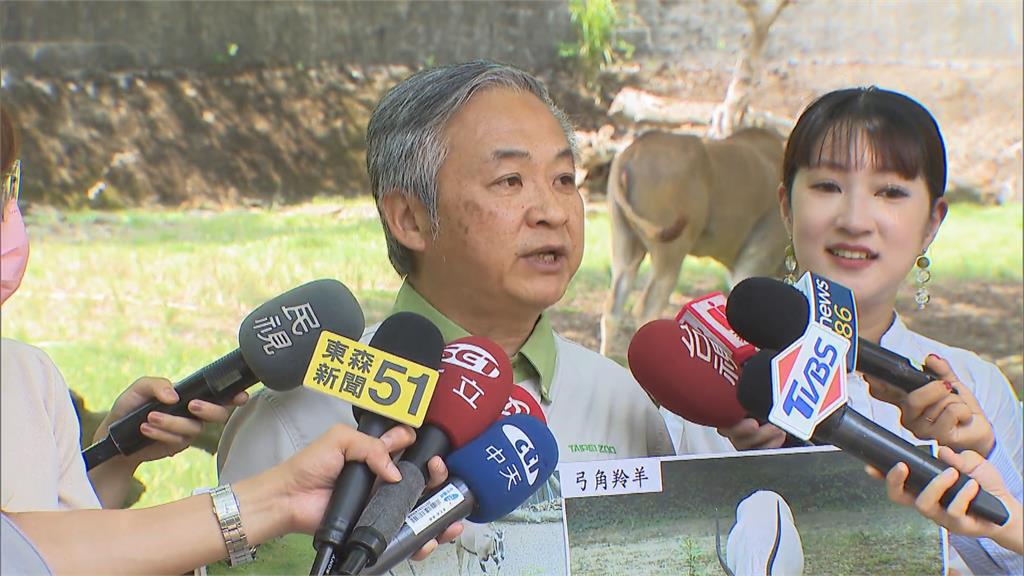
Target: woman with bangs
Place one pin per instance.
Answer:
(864, 174)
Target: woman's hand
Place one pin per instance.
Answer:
(171, 434)
(935, 412)
(309, 476)
(955, 517)
(749, 434)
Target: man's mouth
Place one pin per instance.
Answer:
(547, 254)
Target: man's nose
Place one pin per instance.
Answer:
(547, 206)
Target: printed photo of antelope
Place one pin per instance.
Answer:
(801, 511)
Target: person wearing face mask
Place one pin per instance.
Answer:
(864, 174)
(41, 466)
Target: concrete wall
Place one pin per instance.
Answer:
(75, 35)
(59, 36)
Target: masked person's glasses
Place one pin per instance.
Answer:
(11, 187)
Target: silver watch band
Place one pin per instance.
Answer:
(225, 507)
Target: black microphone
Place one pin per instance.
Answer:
(851, 432)
(771, 314)
(408, 336)
(275, 343)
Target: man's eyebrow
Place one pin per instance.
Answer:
(506, 153)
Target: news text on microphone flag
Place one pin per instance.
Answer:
(371, 379)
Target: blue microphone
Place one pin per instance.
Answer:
(488, 478)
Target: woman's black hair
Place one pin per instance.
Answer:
(901, 137)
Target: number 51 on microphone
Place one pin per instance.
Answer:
(371, 379)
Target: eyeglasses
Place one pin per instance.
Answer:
(11, 186)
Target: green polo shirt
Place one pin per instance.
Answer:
(535, 359)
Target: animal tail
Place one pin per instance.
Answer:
(718, 547)
(778, 539)
(619, 186)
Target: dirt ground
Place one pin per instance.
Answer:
(987, 318)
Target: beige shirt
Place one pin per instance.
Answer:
(41, 466)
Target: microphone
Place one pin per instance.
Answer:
(473, 387)
(409, 336)
(520, 401)
(771, 314)
(489, 477)
(686, 373)
(275, 343)
(707, 314)
(855, 434)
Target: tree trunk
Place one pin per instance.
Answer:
(730, 114)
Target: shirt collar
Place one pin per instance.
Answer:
(897, 338)
(536, 358)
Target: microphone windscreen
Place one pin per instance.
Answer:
(278, 338)
(767, 313)
(690, 384)
(754, 390)
(410, 336)
(473, 387)
(520, 401)
(505, 465)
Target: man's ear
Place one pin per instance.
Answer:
(785, 209)
(406, 218)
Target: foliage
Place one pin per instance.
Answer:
(596, 45)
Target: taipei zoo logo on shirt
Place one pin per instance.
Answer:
(471, 357)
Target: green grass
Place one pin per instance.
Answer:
(114, 296)
(980, 242)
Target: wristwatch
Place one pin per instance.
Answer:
(225, 507)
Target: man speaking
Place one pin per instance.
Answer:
(472, 168)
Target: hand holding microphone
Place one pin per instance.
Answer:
(844, 427)
(489, 477)
(932, 412)
(773, 315)
(275, 344)
(410, 337)
(954, 517)
(473, 388)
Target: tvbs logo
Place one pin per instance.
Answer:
(471, 357)
(808, 381)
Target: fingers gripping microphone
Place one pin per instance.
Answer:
(685, 373)
(409, 336)
(771, 314)
(851, 432)
(489, 477)
(473, 387)
(275, 342)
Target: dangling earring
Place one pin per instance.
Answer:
(790, 262)
(923, 276)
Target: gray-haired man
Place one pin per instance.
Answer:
(472, 169)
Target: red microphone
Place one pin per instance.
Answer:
(473, 387)
(520, 401)
(707, 314)
(686, 373)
